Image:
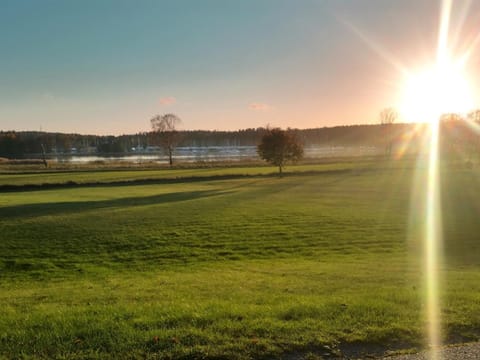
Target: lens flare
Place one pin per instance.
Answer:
(432, 242)
(433, 209)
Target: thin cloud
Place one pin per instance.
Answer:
(259, 107)
(48, 96)
(168, 100)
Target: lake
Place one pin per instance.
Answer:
(215, 153)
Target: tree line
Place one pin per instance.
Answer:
(24, 143)
(456, 133)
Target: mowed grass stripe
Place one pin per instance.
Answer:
(188, 218)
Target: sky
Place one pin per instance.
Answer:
(109, 66)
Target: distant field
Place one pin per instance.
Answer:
(316, 262)
(90, 174)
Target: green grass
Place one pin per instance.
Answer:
(247, 267)
(38, 175)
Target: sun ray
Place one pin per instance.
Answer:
(442, 47)
(463, 13)
(470, 50)
(377, 48)
(409, 141)
(432, 244)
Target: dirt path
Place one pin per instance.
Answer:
(457, 352)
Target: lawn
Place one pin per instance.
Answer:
(320, 261)
(93, 174)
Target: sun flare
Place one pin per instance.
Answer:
(431, 92)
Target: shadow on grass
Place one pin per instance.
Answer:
(55, 208)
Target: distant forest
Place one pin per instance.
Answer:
(29, 144)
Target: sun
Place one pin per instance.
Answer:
(436, 90)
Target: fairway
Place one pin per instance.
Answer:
(320, 261)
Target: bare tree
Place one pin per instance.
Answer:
(278, 147)
(387, 117)
(165, 127)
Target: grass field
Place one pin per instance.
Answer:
(325, 259)
(91, 173)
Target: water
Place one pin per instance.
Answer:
(215, 153)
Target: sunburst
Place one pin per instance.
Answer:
(436, 90)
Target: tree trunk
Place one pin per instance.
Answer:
(44, 156)
(170, 156)
(280, 170)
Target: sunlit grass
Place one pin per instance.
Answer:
(232, 268)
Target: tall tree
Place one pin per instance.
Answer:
(165, 127)
(279, 147)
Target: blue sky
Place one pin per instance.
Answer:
(108, 66)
